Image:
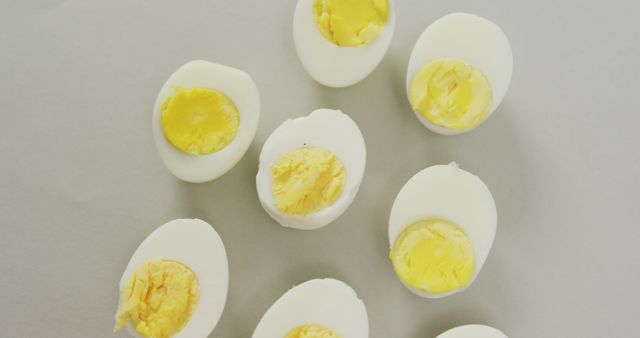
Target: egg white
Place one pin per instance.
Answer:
(235, 84)
(469, 38)
(472, 331)
(326, 128)
(329, 302)
(333, 65)
(448, 192)
(197, 245)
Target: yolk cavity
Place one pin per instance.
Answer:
(350, 22)
(199, 121)
(433, 255)
(306, 180)
(451, 93)
(312, 331)
(159, 299)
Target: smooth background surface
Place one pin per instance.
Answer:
(81, 184)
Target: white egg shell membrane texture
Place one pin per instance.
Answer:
(448, 192)
(197, 245)
(473, 331)
(329, 302)
(333, 65)
(326, 128)
(469, 38)
(235, 84)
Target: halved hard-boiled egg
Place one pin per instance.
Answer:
(319, 308)
(441, 228)
(175, 284)
(311, 168)
(340, 42)
(473, 331)
(204, 120)
(459, 71)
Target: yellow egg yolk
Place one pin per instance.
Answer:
(451, 93)
(350, 22)
(312, 331)
(159, 299)
(434, 256)
(306, 180)
(199, 121)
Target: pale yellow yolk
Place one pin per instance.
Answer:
(159, 299)
(350, 22)
(451, 93)
(312, 331)
(433, 255)
(199, 121)
(306, 180)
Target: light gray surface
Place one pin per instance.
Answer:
(81, 184)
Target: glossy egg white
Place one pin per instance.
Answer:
(330, 129)
(473, 331)
(447, 192)
(235, 84)
(469, 38)
(197, 245)
(333, 65)
(328, 302)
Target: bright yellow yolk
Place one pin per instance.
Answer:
(312, 331)
(306, 180)
(433, 255)
(451, 94)
(159, 299)
(350, 22)
(199, 121)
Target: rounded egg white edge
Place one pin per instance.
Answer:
(472, 331)
(308, 39)
(354, 175)
(396, 227)
(340, 289)
(217, 277)
(235, 84)
(420, 56)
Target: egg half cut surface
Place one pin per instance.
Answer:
(176, 282)
(441, 228)
(311, 168)
(204, 120)
(319, 308)
(459, 72)
(473, 331)
(340, 42)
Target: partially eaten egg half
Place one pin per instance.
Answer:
(311, 169)
(472, 331)
(340, 42)
(441, 228)
(176, 282)
(204, 120)
(459, 72)
(319, 308)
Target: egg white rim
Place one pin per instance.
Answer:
(498, 70)
(481, 242)
(198, 246)
(330, 311)
(314, 49)
(282, 140)
(235, 84)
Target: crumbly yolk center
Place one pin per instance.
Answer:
(433, 255)
(199, 121)
(312, 331)
(159, 299)
(350, 22)
(451, 93)
(306, 180)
